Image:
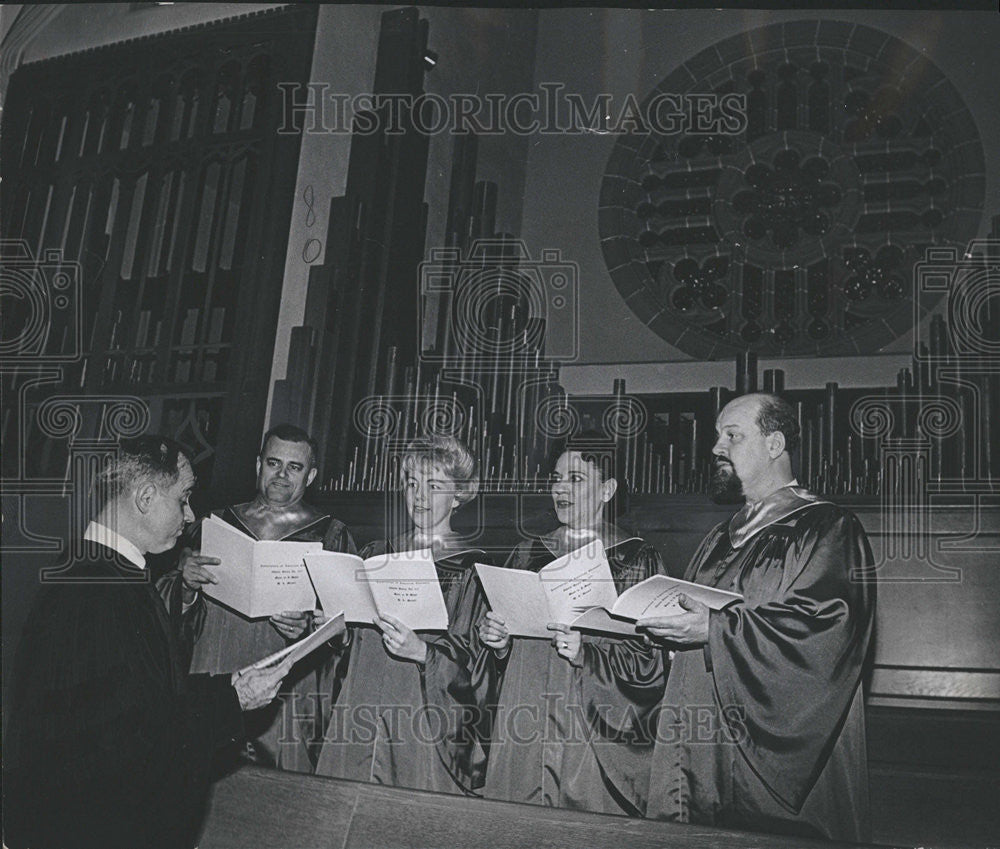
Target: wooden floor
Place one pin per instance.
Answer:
(255, 808)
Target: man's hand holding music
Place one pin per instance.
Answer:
(194, 574)
(258, 687)
(688, 628)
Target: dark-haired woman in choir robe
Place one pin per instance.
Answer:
(408, 709)
(573, 723)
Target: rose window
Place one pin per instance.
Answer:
(798, 232)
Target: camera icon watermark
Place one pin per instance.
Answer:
(936, 443)
(42, 308)
(971, 283)
(498, 302)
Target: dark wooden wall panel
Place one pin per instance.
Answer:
(255, 808)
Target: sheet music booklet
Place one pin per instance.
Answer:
(578, 590)
(404, 585)
(256, 578)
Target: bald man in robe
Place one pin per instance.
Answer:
(762, 724)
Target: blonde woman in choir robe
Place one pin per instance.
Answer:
(405, 705)
(574, 719)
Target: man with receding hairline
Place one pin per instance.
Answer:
(762, 723)
(109, 741)
(286, 735)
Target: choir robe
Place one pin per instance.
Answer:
(286, 733)
(764, 728)
(400, 723)
(109, 741)
(572, 736)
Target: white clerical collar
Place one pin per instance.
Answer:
(105, 536)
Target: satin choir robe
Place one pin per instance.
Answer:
(108, 742)
(570, 736)
(286, 733)
(400, 723)
(764, 727)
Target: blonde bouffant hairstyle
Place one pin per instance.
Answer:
(448, 455)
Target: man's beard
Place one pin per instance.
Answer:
(725, 486)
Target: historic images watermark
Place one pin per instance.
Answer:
(554, 719)
(551, 110)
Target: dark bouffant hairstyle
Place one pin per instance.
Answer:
(594, 447)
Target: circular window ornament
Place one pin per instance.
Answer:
(795, 229)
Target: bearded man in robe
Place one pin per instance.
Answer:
(762, 725)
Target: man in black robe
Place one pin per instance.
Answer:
(762, 724)
(109, 740)
(288, 734)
